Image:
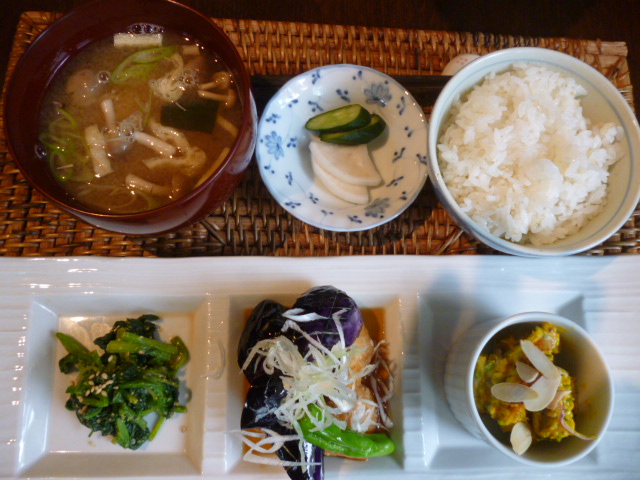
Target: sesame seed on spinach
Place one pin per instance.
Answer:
(115, 392)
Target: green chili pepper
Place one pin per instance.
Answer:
(346, 442)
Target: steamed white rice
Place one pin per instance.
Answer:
(520, 158)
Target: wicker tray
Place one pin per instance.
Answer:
(251, 222)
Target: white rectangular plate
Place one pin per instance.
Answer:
(426, 302)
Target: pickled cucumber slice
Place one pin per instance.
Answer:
(357, 136)
(340, 119)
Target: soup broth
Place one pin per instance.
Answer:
(133, 127)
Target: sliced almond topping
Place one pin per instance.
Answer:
(539, 360)
(520, 438)
(526, 372)
(513, 392)
(546, 388)
(557, 400)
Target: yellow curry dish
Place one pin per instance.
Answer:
(520, 387)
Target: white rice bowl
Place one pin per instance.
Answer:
(557, 178)
(521, 159)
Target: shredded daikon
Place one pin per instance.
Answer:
(321, 377)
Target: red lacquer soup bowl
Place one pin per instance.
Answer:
(81, 29)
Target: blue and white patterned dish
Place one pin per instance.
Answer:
(400, 154)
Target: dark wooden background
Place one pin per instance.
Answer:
(609, 20)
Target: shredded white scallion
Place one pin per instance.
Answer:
(296, 315)
(382, 385)
(289, 324)
(322, 377)
(266, 442)
(336, 319)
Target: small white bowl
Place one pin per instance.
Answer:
(579, 355)
(602, 103)
(400, 154)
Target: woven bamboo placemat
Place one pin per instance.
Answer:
(251, 222)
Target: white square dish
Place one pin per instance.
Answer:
(387, 317)
(178, 447)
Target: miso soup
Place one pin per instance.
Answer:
(138, 120)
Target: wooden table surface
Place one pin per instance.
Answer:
(608, 20)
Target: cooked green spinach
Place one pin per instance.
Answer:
(132, 384)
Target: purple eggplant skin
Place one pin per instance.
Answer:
(261, 401)
(266, 392)
(265, 321)
(312, 454)
(326, 301)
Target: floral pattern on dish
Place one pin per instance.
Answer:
(399, 154)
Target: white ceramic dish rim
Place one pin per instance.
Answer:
(534, 317)
(500, 60)
(326, 224)
(598, 293)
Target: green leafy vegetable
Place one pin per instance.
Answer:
(135, 376)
